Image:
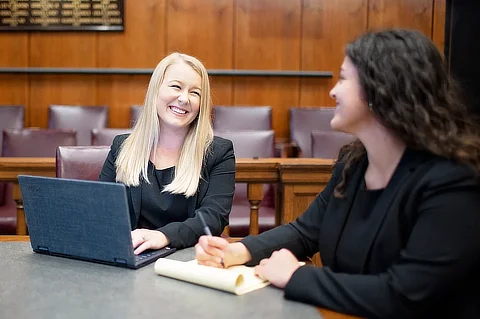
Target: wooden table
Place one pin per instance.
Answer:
(327, 314)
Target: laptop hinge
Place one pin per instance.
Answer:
(43, 249)
(120, 261)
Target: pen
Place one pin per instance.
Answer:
(207, 231)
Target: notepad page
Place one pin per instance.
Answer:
(236, 279)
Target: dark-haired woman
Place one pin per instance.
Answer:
(398, 225)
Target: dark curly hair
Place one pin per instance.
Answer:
(404, 79)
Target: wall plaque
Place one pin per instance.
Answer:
(61, 15)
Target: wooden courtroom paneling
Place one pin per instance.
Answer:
(222, 90)
(14, 88)
(59, 89)
(327, 26)
(210, 38)
(141, 45)
(438, 32)
(14, 49)
(416, 14)
(225, 34)
(267, 37)
(120, 92)
(61, 49)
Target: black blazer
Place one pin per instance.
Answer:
(421, 257)
(213, 198)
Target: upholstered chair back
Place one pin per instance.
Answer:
(80, 118)
(81, 162)
(327, 144)
(305, 120)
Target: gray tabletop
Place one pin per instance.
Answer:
(38, 286)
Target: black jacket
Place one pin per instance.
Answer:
(420, 257)
(213, 198)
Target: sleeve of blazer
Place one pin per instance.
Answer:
(443, 246)
(301, 236)
(108, 173)
(215, 205)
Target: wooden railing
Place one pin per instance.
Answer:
(299, 180)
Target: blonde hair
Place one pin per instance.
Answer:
(132, 161)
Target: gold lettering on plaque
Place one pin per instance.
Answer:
(63, 13)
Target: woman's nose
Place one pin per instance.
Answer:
(332, 93)
(183, 98)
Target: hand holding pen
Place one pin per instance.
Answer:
(207, 231)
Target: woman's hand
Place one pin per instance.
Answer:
(210, 251)
(279, 268)
(143, 239)
(217, 252)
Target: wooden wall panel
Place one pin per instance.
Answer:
(327, 26)
(225, 34)
(267, 37)
(438, 32)
(210, 38)
(59, 89)
(14, 88)
(222, 90)
(267, 34)
(63, 49)
(202, 28)
(279, 93)
(120, 92)
(142, 44)
(14, 49)
(416, 14)
(60, 49)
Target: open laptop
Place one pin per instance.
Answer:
(81, 219)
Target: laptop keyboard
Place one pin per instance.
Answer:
(144, 256)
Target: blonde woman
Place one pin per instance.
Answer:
(171, 163)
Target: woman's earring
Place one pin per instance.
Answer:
(370, 106)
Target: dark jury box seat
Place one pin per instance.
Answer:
(327, 144)
(305, 120)
(81, 162)
(249, 144)
(80, 118)
(242, 118)
(105, 136)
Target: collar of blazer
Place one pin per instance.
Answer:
(338, 210)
